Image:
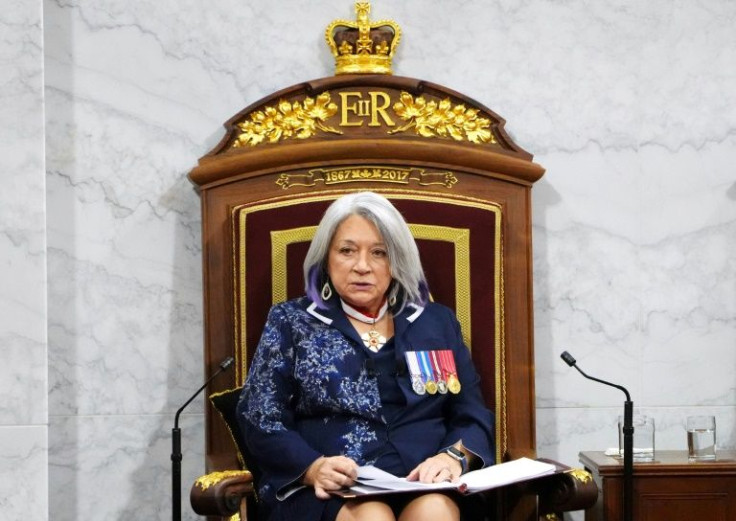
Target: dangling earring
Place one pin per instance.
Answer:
(392, 296)
(326, 292)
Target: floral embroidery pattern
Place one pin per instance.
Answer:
(306, 365)
(356, 439)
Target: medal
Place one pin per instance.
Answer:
(453, 384)
(442, 387)
(448, 367)
(426, 367)
(437, 368)
(373, 340)
(417, 383)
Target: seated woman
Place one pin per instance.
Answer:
(363, 370)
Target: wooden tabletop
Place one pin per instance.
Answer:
(673, 462)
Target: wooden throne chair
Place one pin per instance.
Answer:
(461, 183)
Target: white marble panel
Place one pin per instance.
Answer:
(643, 278)
(124, 239)
(119, 467)
(23, 473)
(22, 234)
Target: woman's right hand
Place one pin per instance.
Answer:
(330, 473)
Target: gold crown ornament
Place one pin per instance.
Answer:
(363, 47)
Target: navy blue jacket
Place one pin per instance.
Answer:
(309, 393)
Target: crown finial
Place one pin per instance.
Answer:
(362, 47)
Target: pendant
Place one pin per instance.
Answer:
(373, 340)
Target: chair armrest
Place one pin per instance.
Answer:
(221, 493)
(572, 489)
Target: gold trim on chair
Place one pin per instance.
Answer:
(213, 478)
(460, 238)
(582, 475)
(280, 241)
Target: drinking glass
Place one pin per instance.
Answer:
(643, 437)
(701, 437)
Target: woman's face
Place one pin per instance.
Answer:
(358, 264)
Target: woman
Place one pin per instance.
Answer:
(362, 370)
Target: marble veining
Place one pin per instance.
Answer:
(23, 340)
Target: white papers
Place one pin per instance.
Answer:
(371, 478)
(375, 481)
(515, 471)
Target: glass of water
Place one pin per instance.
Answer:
(643, 437)
(701, 437)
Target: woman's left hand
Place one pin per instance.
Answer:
(440, 467)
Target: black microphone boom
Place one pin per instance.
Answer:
(569, 360)
(628, 430)
(176, 444)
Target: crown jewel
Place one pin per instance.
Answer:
(363, 47)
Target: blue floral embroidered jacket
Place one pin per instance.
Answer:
(308, 394)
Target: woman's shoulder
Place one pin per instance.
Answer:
(435, 309)
(290, 307)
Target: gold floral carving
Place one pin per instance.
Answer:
(443, 119)
(305, 119)
(581, 475)
(288, 120)
(213, 478)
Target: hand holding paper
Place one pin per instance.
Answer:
(373, 481)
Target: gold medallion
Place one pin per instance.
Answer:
(453, 384)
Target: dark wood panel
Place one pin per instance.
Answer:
(670, 488)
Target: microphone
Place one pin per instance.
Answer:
(176, 455)
(569, 360)
(628, 430)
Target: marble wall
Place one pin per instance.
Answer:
(106, 105)
(23, 318)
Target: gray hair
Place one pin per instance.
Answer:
(409, 284)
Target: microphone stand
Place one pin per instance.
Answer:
(628, 430)
(176, 455)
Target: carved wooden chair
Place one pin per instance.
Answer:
(463, 186)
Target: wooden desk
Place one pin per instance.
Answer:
(668, 489)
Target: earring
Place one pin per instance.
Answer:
(326, 292)
(392, 296)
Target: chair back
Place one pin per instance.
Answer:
(443, 160)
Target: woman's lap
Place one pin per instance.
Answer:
(472, 508)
